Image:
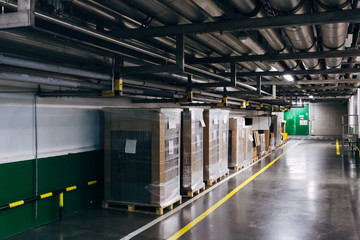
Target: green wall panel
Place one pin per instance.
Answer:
(293, 120)
(17, 181)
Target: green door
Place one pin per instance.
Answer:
(297, 121)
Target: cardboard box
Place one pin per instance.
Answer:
(259, 122)
(142, 153)
(192, 149)
(249, 139)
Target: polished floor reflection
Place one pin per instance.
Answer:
(309, 193)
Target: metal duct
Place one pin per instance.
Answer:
(334, 34)
(17, 62)
(301, 37)
(249, 7)
(50, 81)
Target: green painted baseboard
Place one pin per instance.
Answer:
(17, 182)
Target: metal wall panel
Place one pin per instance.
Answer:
(326, 118)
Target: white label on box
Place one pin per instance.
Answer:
(214, 135)
(130, 146)
(198, 140)
(224, 137)
(172, 123)
(251, 138)
(303, 122)
(171, 147)
(216, 120)
(202, 123)
(225, 119)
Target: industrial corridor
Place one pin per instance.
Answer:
(305, 191)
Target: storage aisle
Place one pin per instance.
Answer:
(308, 193)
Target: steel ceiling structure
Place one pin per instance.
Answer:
(183, 50)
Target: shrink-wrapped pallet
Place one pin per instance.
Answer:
(192, 150)
(142, 153)
(215, 147)
(249, 139)
(236, 142)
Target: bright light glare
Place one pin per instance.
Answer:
(311, 96)
(288, 77)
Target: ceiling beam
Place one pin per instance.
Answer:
(298, 72)
(276, 57)
(306, 82)
(352, 16)
(293, 88)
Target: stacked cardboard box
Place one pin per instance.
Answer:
(192, 150)
(215, 143)
(142, 153)
(237, 142)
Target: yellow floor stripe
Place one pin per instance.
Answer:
(337, 147)
(224, 199)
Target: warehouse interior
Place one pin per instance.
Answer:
(267, 88)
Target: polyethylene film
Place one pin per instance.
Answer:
(142, 153)
(263, 144)
(248, 144)
(236, 142)
(192, 149)
(215, 143)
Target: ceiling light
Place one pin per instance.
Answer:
(311, 96)
(288, 77)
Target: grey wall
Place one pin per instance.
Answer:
(325, 118)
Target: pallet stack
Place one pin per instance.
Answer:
(142, 157)
(192, 151)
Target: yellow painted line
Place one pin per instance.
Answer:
(68, 189)
(91, 183)
(224, 199)
(15, 204)
(46, 195)
(337, 147)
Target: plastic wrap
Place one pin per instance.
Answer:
(212, 168)
(237, 142)
(248, 144)
(192, 149)
(276, 127)
(142, 153)
(272, 141)
(262, 144)
(224, 142)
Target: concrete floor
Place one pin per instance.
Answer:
(309, 193)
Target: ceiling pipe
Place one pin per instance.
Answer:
(50, 81)
(17, 62)
(101, 36)
(333, 35)
(301, 37)
(251, 8)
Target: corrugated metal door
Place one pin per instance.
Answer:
(325, 118)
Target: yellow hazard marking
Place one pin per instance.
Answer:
(91, 183)
(337, 147)
(45, 195)
(61, 199)
(68, 189)
(15, 204)
(224, 199)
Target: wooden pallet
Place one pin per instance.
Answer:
(212, 182)
(235, 169)
(255, 159)
(140, 208)
(196, 192)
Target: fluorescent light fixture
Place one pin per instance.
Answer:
(311, 96)
(288, 77)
